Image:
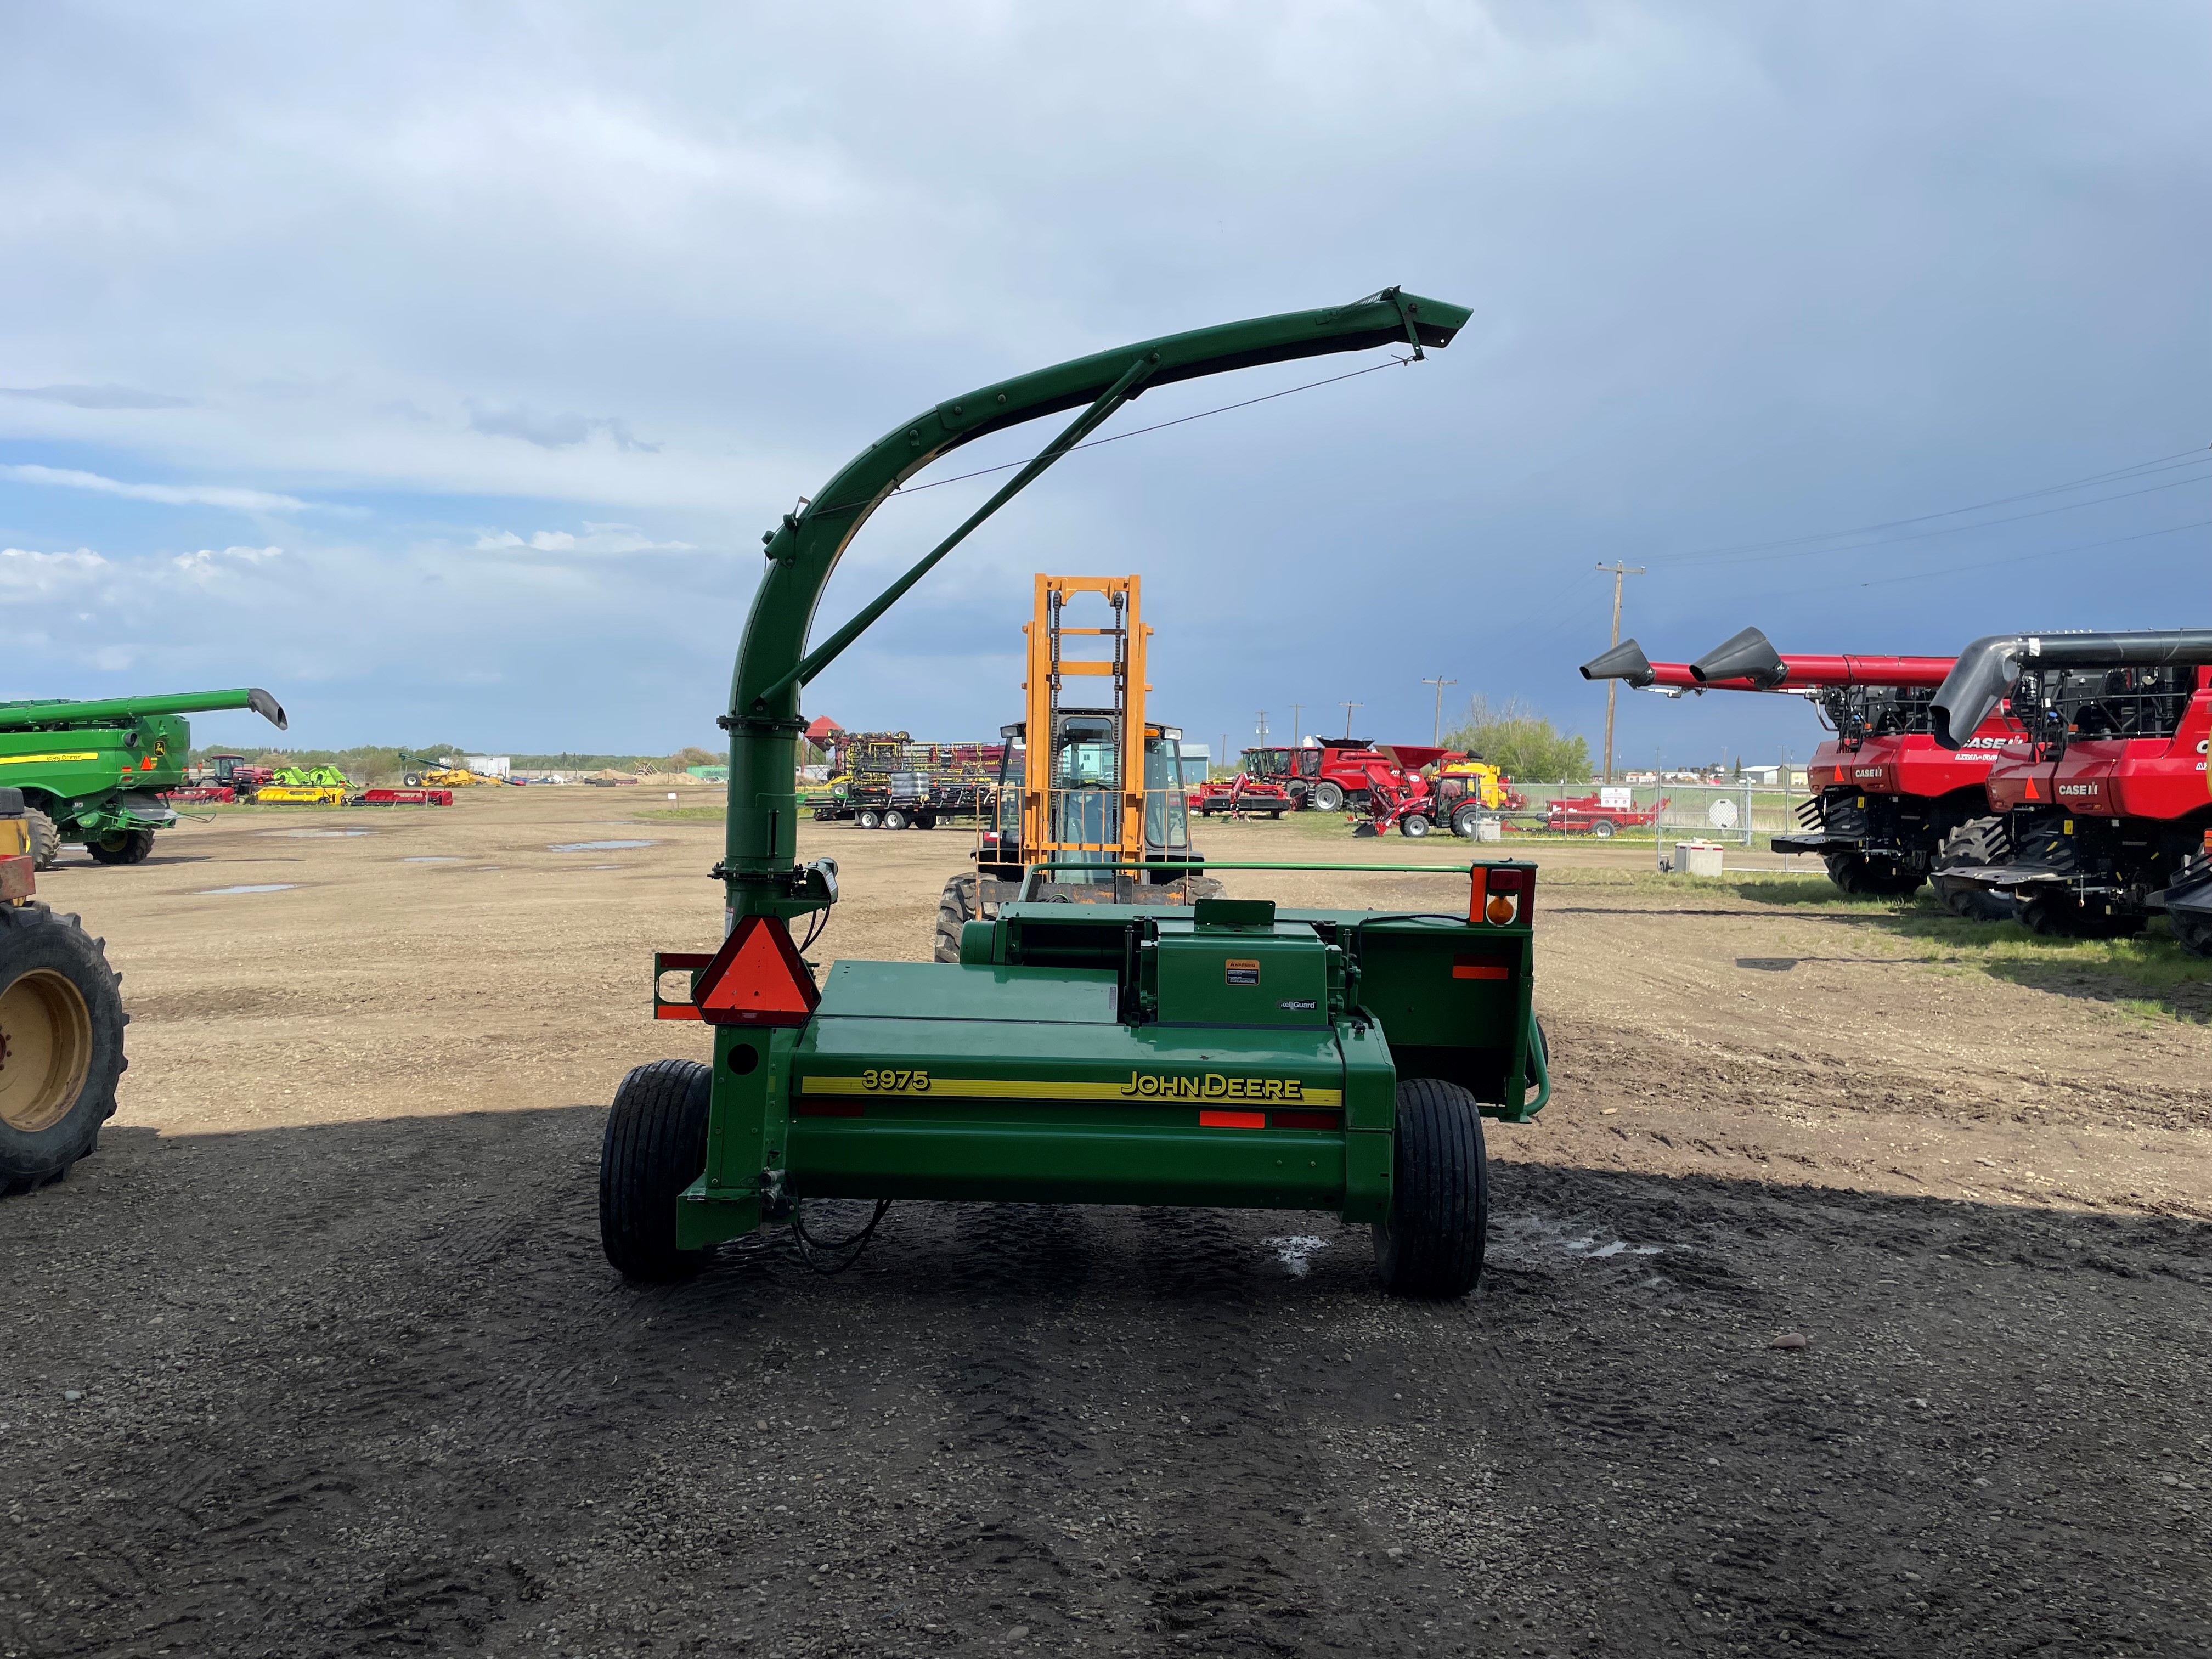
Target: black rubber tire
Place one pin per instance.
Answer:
(1861, 876)
(1976, 844)
(868, 818)
(1327, 797)
(123, 847)
(2191, 931)
(1464, 821)
(894, 818)
(33, 938)
(1603, 829)
(956, 908)
(46, 839)
(655, 1147)
(925, 820)
(1415, 825)
(411, 780)
(1274, 818)
(2061, 915)
(1432, 1246)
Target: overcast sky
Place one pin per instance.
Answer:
(438, 367)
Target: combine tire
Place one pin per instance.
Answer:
(1861, 876)
(123, 847)
(2061, 915)
(1415, 824)
(45, 840)
(1973, 845)
(958, 906)
(2192, 932)
(1431, 1245)
(1328, 797)
(61, 1044)
(868, 818)
(1603, 829)
(655, 1147)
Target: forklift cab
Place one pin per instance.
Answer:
(1083, 801)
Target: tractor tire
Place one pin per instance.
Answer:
(2192, 932)
(959, 905)
(123, 847)
(1975, 844)
(1415, 825)
(410, 781)
(868, 818)
(2061, 915)
(46, 839)
(1274, 818)
(1327, 797)
(61, 1044)
(1431, 1245)
(1464, 822)
(894, 819)
(1603, 829)
(655, 1147)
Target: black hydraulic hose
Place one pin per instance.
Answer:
(847, 1249)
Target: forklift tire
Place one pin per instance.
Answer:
(46, 839)
(1603, 829)
(655, 1147)
(1328, 797)
(1431, 1245)
(959, 905)
(61, 1044)
(868, 819)
(894, 819)
(123, 847)
(1415, 824)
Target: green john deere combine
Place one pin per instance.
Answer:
(1223, 1053)
(93, 772)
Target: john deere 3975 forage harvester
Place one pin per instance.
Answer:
(1228, 1053)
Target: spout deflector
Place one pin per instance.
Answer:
(1625, 661)
(1746, 656)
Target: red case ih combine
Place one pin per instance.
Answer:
(2102, 806)
(1893, 807)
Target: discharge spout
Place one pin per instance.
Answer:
(1987, 669)
(1625, 661)
(62, 712)
(1746, 656)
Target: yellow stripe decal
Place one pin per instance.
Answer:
(26, 760)
(1139, 1087)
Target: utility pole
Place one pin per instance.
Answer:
(1259, 729)
(1221, 755)
(1296, 708)
(1348, 707)
(1437, 736)
(1621, 573)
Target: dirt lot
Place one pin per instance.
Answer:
(318, 1354)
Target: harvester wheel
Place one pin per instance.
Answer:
(123, 847)
(894, 819)
(1328, 797)
(655, 1147)
(1979, 842)
(2061, 915)
(1857, 874)
(1603, 828)
(1431, 1245)
(2192, 932)
(868, 818)
(959, 905)
(1415, 824)
(46, 839)
(61, 1044)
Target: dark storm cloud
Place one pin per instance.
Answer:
(1740, 273)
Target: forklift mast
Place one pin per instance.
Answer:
(1083, 780)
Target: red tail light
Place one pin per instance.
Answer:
(1502, 895)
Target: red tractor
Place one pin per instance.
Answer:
(1891, 806)
(2103, 814)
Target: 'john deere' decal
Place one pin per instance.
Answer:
(1139, 1086)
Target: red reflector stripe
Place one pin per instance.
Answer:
(827, 1109)
(676, 1011)
(1303, 1121)
(1479, 968)
(1232, 1120)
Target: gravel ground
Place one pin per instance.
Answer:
(318, 1354)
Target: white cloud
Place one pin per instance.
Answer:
(596, 538)
(24, 573)
(208, 564)
(244, 501)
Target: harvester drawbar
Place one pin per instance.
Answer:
(1221, 1053)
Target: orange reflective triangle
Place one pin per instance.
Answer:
(2031, 793)
(756, 979)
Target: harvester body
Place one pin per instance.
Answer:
(1219, 1053)
(97, 769)
(2102, 804)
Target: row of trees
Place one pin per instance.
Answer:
(1515, 736)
